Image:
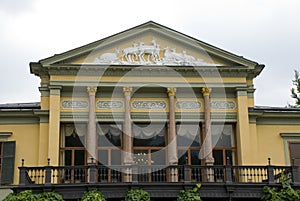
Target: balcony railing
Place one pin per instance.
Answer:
(155, 174)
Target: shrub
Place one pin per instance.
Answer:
(50, 196)
(22, 196)
(137, 195)
(93, 196)
(190, 195)
(28, 196)
(285, 192)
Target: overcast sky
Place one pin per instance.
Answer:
(265, 31)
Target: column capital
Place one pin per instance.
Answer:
(127, 90)
(92, 90)
(55, 90)
(171, 91)
(206, 91)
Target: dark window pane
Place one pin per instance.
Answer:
(156, 141)
(79, 157)
(115, 157)
(74, 141)
(68, 157)
(158, 157)
(229, 157)
(182, 157)
(103, 157)
(218, 156)
(195, 157)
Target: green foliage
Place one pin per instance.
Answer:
(28, 196)
(137, 195)
(190, 195)
(93, 196)
(284, 193)
(50, 196)
(22, 196)
(296, 90)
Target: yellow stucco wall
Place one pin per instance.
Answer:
(270, 143)
(27, 143)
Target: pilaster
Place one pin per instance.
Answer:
(54, 124)
(243, 130)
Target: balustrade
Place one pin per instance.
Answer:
(153, 173)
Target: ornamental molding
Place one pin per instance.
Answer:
(188, 105)
(74, 104)
(142, 54)
(149, 105)
(223, 105)
(103, 104)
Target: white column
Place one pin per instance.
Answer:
(207, 143)
(172, 144)
(91, 137)
(127, 131)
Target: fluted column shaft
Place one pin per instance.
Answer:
(127, 131)
(207, 143)
(172, 144)
(91, 137)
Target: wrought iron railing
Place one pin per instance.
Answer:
(142, 173)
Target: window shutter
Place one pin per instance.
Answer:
(295, 152)
(8, 162)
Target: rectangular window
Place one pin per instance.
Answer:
(295, 155)
(7, 159)
(223, 142)
(72, 149)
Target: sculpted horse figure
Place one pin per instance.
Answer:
(130, 53)
(151, 50)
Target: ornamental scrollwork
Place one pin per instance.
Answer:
(110, 104)
(188, 105)
(223, 105)
(149, 105)
(74, 104)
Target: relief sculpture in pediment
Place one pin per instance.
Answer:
(141, 54)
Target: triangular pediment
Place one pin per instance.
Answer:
(149, 44)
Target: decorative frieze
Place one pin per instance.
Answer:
(150, 54)
(223, 105)
(188, 105)
(74, 104)
(149, 105)
(110, 104)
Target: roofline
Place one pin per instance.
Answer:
(20, 106)
(273, 109)
(206, 45)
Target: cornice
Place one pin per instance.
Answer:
(266, 117)
(153, 84)
(121, 70)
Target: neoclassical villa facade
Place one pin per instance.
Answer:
(147, 108)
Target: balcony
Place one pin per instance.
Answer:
(218, 182)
